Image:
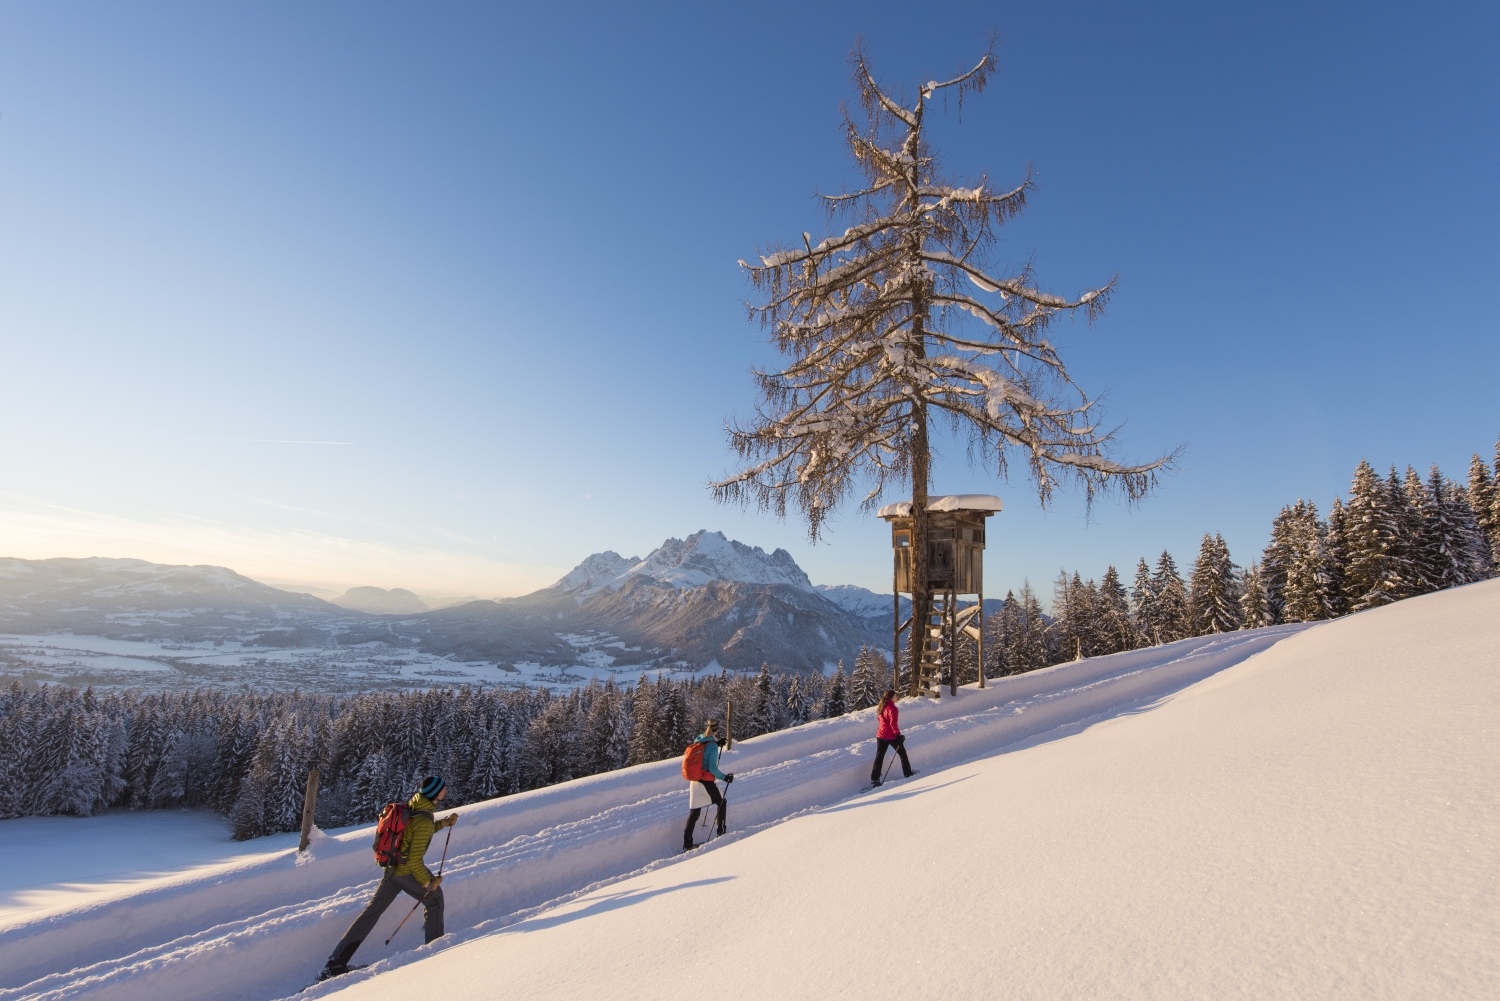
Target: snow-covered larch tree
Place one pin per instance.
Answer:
(900, 320)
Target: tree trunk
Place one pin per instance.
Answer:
(921, 458)
(921, 598)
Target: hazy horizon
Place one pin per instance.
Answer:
(447, 299)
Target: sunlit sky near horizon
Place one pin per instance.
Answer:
(445, 297)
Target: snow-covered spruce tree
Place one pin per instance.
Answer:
(1116, 632)
(1279, 555)
(1336, 558)
(763, 715)
(796, 703)
(1307, 594)
(1255, 610)
(1406, 501)
(1171, 600)
(1455, 551)
(1029, 643)
(1495, 508)
(1377, 569)
(836, 704)
(899, 320)
(1482, 501)
(607, 743)
(865, 684)
(1213, 599)
(997, 628)
(1417, 509)
(645, 725)
(1143, 601)
(966, 659)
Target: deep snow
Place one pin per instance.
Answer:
(1320, 821)
(1316, 820)
(70, 861)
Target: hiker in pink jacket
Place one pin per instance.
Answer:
(888, 734)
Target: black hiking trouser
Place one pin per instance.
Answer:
(389, 889)
(697, 811)
(899, 743)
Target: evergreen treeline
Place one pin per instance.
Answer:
(64, 751)
(1398, 536)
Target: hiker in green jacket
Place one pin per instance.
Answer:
(410, 875)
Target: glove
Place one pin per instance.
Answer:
(729, 778)
(434, 883)
(449, 820)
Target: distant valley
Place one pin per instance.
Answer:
(700, 603)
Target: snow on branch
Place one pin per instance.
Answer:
(877, 323)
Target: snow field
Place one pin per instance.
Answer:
(73, 860)
(1319, 821)
(262, 929)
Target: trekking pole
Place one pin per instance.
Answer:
(888, 769)
(422, 899)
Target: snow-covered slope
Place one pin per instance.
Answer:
(1274, 813)
(692, 562)
(1320, 821)
(262, 929)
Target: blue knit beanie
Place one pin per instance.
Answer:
(432, 785)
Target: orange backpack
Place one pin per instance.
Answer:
(692, 763)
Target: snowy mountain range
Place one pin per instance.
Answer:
(692, 562)
(691, 604)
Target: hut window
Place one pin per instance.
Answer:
(902, 539)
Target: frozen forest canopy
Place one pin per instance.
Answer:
(247, 755)
(1397, 537)
(901, 319)
(65, 751)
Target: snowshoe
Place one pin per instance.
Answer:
(329, 972)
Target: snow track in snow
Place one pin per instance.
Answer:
(261, 929)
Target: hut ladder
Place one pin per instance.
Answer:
(944, 625)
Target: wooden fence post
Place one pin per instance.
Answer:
(308, 802)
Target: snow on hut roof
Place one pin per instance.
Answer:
(948, 502)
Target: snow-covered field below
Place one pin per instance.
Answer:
(1290, 812)
(65, 862)
(107, 662)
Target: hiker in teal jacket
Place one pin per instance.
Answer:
(700, 766)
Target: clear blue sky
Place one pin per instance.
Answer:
(493, 249)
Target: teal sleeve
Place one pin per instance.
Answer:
(711, 760)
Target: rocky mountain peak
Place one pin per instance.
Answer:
(692, 562)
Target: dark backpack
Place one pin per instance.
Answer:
(389, 831)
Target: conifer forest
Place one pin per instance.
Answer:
(247, 755)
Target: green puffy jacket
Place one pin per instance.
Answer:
(417, 836)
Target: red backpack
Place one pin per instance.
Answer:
(692, 763)
(388, 832)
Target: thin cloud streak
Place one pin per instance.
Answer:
(259, 441)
